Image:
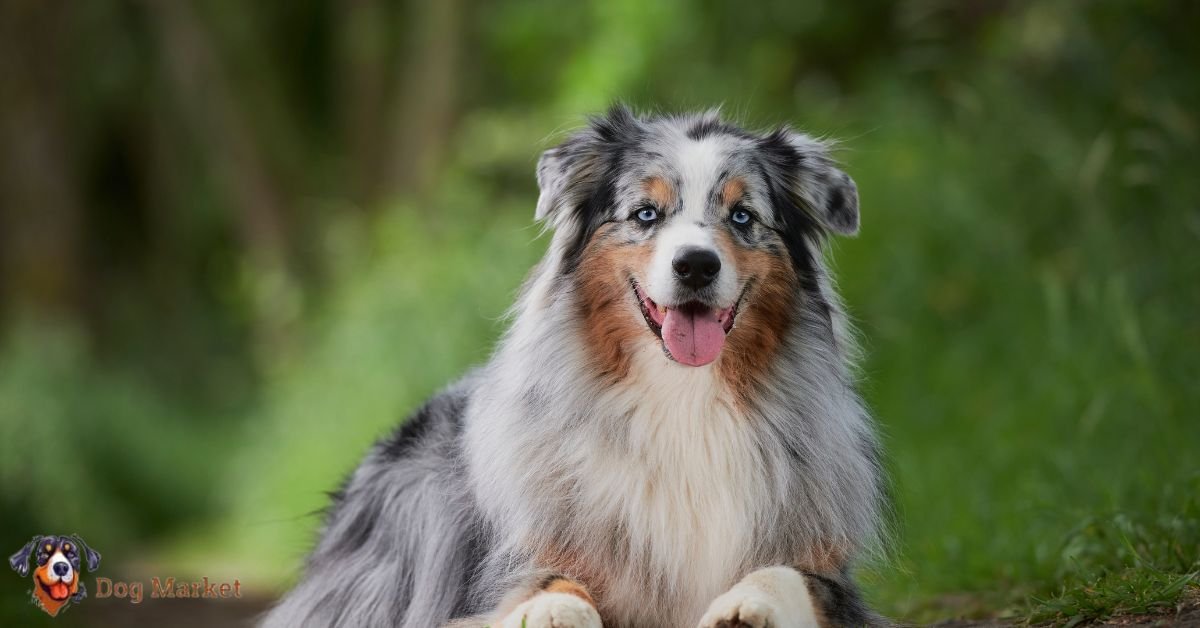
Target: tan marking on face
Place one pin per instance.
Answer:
(610, 317)
(733, 191)
(660, 192)
(762, 319)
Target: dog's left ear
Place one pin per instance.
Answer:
(20, 560)
(813, 179)
(93, 557)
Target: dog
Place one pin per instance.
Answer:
(57, 577)
(668, 435)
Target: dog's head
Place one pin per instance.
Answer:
(691, 233)
(56, 573)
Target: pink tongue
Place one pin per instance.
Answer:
(693, 337)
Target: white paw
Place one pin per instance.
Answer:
(553, 610)
(775, 597)
(740, 609)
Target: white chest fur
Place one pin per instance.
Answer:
(690, 486)
(663, 463)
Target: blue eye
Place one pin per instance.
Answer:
(740, 216)
(647, 214)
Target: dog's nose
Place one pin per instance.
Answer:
(696, 267)
(61, 568)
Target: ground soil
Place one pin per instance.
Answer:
(242, 613)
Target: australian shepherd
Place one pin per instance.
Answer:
(667, 436)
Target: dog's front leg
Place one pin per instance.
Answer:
(554, 602)
(775, 597)
(783, 597)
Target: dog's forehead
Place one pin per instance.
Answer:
(671, 146)
(56, 542)
(693, 156)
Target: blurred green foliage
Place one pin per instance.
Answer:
(241, 240)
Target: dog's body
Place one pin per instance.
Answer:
(667, 435)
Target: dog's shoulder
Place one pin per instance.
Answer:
(436, 423)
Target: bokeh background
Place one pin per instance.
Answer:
(240, 240)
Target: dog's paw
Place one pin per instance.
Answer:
(553, 610)
(775, 597)
(740, 609)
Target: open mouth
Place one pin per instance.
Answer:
(692, 333)
(58, 591)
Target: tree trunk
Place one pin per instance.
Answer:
(425, 101)
(40, 213)
(203, 92)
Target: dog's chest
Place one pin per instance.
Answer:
(684, 481)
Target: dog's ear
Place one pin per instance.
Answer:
(812, 179)
(569, 173)
(20, 560)
(92, 556)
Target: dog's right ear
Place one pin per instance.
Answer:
(20, 560)
(569, 173)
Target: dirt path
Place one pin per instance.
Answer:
(177, 613)
(1187, 614)
(241, 614)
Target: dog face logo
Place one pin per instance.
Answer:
(57, 572)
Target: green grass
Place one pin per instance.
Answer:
(1129, 563)
(1131, 591)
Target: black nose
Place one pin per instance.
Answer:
(61, 569)
(696, 267)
